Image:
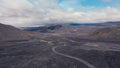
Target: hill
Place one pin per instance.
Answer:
(107, 33)
(8, 32)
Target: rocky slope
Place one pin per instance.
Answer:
(8, 32)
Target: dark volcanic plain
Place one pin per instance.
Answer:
(60, 50)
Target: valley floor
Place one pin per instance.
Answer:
(46, 53)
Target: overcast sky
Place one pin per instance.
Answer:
(22, 13)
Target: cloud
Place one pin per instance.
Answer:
(22, 13)
(107, 0)
(15, 4)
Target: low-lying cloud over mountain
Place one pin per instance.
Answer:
(39, 12)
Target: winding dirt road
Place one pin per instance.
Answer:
(72, 57)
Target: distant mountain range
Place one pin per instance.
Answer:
(69, 27)
(62, 29)
(109, 30)
(43, 29)
(97, 24)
